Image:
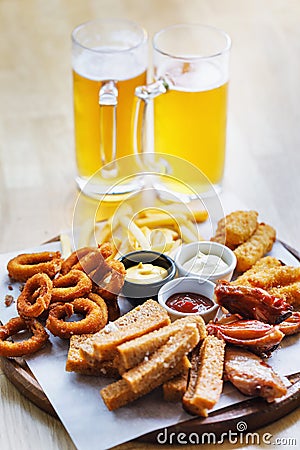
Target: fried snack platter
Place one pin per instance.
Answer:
(76, 398)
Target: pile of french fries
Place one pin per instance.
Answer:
(157, 229)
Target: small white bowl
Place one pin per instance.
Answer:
(189, 251)
(185, 285)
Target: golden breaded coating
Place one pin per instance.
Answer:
(236, 228)
(220, 234)
(262, 265)
(275, 277)
(260, 243)
(290, 293)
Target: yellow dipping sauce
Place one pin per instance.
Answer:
(145, 273)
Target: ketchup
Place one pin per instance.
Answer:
(189, 303)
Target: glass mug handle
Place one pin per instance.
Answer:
(108, 101)
(144, 95)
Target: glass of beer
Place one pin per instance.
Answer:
(189, 92)
(109, 60)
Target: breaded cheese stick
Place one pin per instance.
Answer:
(275, 277)
(261, 266)
(236, 228)
(260, 243)
(290, 293)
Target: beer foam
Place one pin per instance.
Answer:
(193, 76)
(108, 65)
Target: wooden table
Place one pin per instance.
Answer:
(37, 168)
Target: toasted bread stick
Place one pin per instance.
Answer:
(133, 352)
(75, 362)
(153, 370)
(205, 379)
(175, 388)
(141, 320)
(118, 394)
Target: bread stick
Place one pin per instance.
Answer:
(118, 394)
(141, 320)
(134, 351)
(75, 362)
(153, 370)
(205, 383)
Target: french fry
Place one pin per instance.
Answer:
(157, 221)
(65, 242)
(85, 233)
(105, 233)
(175, 246)
(115, 244)
(196, 215)
(136, 232)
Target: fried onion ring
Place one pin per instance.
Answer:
(35, 297)
(26, 265)
(69, 263)
(73, 285)
(93, 321)
(87, 258)
(112, 308)
(31, 345)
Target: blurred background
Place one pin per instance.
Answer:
(37, 160)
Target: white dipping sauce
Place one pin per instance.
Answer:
(205, 264)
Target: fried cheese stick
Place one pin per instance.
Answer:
(260, 243)
(236, 228)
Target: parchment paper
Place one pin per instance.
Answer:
(76, 398)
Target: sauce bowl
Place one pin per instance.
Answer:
(138, 293)
(190, 251)
(188, 285)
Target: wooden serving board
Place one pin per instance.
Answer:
(256, 412)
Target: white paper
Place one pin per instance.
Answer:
(76, 398)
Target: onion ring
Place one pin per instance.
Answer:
(73, 285)
(35, 297)
(26, 265)
(90, 261)
(31, 345)
(111, 301)
(94, 320)
(102, 304)
(87, 258)
(73, 259)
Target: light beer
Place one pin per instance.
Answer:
(190, 120)
(87, 119)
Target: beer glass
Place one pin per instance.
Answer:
(191, 71)
(109, 60)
